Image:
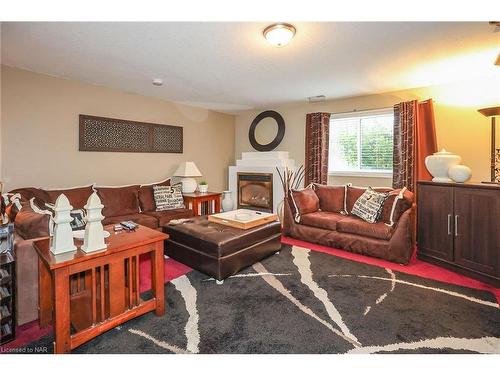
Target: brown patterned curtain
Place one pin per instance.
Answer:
(317, 141)
(414, 139)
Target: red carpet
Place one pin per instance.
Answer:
(416, 266)
(172, 271)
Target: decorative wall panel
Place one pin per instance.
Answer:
(114, 135)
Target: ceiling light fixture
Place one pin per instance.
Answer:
(279, 34)
(157, 82)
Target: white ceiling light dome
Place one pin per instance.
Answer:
(157, 82)
(279, 34)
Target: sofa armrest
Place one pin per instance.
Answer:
(27, 280)
(30, 224)
(402, 242)
(288, 219)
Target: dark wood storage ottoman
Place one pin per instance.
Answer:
(218, 250)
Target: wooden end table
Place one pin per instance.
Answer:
(203, 203)
(93, 293)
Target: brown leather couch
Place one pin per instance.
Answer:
(328, 222)
(135, 202)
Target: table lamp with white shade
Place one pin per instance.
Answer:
(187, 170)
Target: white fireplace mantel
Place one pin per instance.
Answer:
(261, 162)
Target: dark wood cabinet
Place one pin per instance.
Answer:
(435, 236)
(458, 227)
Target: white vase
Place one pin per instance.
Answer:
(460, 173)
(439, 163)
(227, 201)
(203, 188)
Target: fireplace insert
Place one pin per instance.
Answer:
(255, 191)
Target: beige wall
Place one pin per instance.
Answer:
(460, 128)
(39, 143)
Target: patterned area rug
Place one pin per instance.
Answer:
(302, 301)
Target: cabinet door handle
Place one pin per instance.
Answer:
(449, 224)
(456, 225)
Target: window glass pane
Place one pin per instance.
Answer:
(344, 144)
(376, 143)
(361, 143)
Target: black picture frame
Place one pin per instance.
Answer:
(279, 135)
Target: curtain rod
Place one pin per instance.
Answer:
(362, 110)
(373, 109)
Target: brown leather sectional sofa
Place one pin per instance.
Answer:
(135, 202)
(321, 215)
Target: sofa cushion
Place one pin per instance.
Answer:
(141, 219)
(360, 227)
(331, 198)
(397, 202)
(304, 202)
(164, 217)
(120, 200)
(322, 219)
(77, 196)
(146, 195)
(369, 205)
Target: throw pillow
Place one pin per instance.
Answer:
(304, 202)
(168, 197)
(118, 200)
(78, 216)
(77, 196)
(146, 195)
(369, 205)
(331, 198)
(353, 193)
(398, 201)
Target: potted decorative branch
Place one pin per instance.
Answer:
(289, 180)
(203, 187)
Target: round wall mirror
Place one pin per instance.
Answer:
(266, 131)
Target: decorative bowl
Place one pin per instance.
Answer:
(439, 163)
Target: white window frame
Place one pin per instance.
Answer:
(361, 173)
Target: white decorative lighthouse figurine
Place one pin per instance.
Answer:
(94, 231)
(62, 242)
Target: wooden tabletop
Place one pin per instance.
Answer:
(198, 194)
(116, 242)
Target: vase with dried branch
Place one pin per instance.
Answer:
(289, 180)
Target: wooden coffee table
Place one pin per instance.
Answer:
(85, 295)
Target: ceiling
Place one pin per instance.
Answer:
(230, 67)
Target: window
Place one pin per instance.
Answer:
(361, 143)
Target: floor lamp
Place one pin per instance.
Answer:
(492, 112)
